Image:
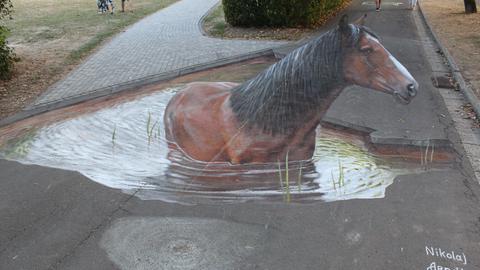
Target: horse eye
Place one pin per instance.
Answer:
(366, 50)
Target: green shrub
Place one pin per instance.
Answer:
(7, 56)
(289, 13)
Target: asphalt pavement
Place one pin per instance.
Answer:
(57, 219)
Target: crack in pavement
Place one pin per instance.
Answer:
(105, 222)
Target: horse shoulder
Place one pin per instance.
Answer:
(197, 120)
(247, 144)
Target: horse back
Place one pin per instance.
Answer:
(194, 120)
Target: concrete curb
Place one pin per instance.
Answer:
(457, 75)
(131, 85)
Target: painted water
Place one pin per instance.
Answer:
(122, 146)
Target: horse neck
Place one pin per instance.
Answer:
(299, 86)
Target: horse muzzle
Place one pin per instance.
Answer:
(406, 95)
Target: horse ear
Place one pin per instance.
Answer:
(343, 24)
(361, 20)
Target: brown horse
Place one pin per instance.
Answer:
(278, 111)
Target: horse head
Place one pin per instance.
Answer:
(368, 64)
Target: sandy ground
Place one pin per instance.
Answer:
(460, 33)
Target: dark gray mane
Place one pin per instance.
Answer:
(278, 99)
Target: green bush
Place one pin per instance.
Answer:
(289, 13)
(7, 56)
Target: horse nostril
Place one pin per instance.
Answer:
(412, 91)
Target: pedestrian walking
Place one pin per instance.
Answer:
(123, 5)
(112, 6)
(103, 6)
(377, 4)
(412, 4)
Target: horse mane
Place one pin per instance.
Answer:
(278, 99)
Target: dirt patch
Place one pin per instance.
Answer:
(459, 33)
(215, 26)
(33, 74)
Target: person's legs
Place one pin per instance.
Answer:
(123, 5)
(377, 4)
(111, 6)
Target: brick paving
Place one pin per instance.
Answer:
(165, 41)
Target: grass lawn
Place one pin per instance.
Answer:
(51, 36)
(215, 23)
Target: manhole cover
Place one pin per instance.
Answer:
(180, 243)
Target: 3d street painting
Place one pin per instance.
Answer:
(124, 147)
(228, 142)
(251, 139)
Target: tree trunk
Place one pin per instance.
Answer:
(470, 6)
